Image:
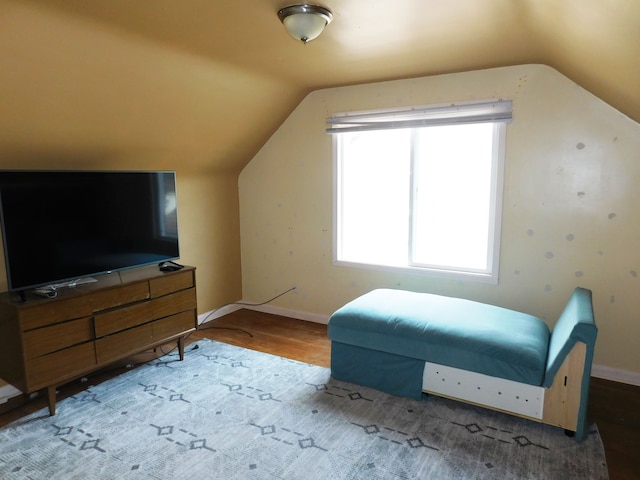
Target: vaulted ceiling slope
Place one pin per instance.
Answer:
(225, 74)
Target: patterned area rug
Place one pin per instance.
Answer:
(231, 413)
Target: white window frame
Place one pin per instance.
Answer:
(416, 117)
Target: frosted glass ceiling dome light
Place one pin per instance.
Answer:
(305, 22)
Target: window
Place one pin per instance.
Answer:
(421, 189)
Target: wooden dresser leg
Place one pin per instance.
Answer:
(181, 347)
(51, 393)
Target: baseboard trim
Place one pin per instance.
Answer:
(272, 309)
(286, 312)
(599, 371)
(615, 374)
(217, 313)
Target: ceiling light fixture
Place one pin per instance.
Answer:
(305, 22)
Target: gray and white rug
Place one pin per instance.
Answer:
(231, 413)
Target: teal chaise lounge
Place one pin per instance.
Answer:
(408, 343)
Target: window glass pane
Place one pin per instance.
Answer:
(421, 199)
(452, 196)
(374, 193)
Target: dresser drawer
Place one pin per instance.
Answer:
(174, 303)
(54, 311)
(121, 344)
(49, 369)
(120, 319)
(115, 297)
(56, 337)
(174, 325)
(170, 283)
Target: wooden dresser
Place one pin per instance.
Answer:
(48, 342)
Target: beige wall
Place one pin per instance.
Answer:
(570, 218)
(208, 217)
(77, 94)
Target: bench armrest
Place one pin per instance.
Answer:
(576, 324)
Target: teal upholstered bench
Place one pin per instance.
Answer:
(408, 343)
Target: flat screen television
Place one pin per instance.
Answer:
(61, 226)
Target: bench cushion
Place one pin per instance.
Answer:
(449, 331)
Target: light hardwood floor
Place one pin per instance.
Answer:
(613, 406)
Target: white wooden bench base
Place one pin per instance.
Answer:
(557, 405)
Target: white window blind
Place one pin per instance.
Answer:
(496, 110)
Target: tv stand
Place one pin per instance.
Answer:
(50, 341)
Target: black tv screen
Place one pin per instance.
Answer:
(60, 226)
